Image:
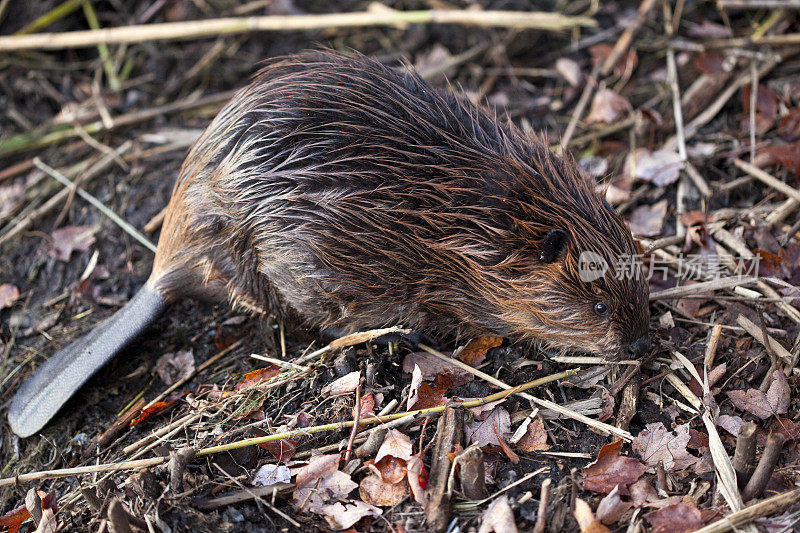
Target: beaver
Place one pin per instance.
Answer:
(354, 196)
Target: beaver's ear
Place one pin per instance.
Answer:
(554, 246)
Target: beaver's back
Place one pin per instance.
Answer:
(361, 197)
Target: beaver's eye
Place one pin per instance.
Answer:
(600, 309)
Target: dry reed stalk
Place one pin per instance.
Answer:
(172, 31)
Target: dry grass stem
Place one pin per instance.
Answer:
(184, 30)
(602, 427)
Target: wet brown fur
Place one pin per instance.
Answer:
(357, 196)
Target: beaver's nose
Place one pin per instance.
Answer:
(638, 348)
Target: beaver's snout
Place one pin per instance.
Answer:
(638, 348)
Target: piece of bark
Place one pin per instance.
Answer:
(437, 498)
(121, 424)
(744, 458)
(177, 465)
(372, 444)
(627, 406)
(33, 503)
(118, 517)
(766, 466)
(544, 502)
(472, 473)
(90, 495)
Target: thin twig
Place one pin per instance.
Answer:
(602, 427)
(588, 89)
(770, 506)
(130, 230)
(716, 106)
(768, 179)
(625, 39)
(356, 416)
(544, 501)
(766, 466)
(703, 286)
(744, 456)
(192, 29)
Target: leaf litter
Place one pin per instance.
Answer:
(625, 136)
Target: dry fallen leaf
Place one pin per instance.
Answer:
(535, 438)
(416, 383)
(395, 444)
(430, 396)
(586, 520)
(643, 493)
(608, 107)
(431, 366)
(787, 155)
(731, 424)
(648, 220)
(154, 409)
(786, 427)
(172, 367)
(569, 70)
(707, 29)
(8, 295)
(341, 515)
(661, 168)
(600, 52)
(498, 517)
(676, 518)
(486, 432)
(417, 476)
(12, 197)
(375, 491)
(343, 385)
(271, 474)
(282, 450)
(251, 379)
(714, 375)
(435, 60)
(367, 406)
(612, 507)
(65, 240)
(657, 444)
(14, 518)
(611, 469)
(389, 469)
(474, 353)
(789, 126)
(710, 62)
(774, 402)
(320, 483)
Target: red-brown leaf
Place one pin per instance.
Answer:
(251, 379)
(154, 410)
(474, 353)
(535, 438)
(611, 469)
(774, 402)
(282, 450)
(14, 518)
(657, 444)
(677, 518)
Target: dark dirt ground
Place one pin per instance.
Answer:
(54, 306)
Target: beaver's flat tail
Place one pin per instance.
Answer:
(55, 381)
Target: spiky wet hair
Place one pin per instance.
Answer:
(359, 196)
